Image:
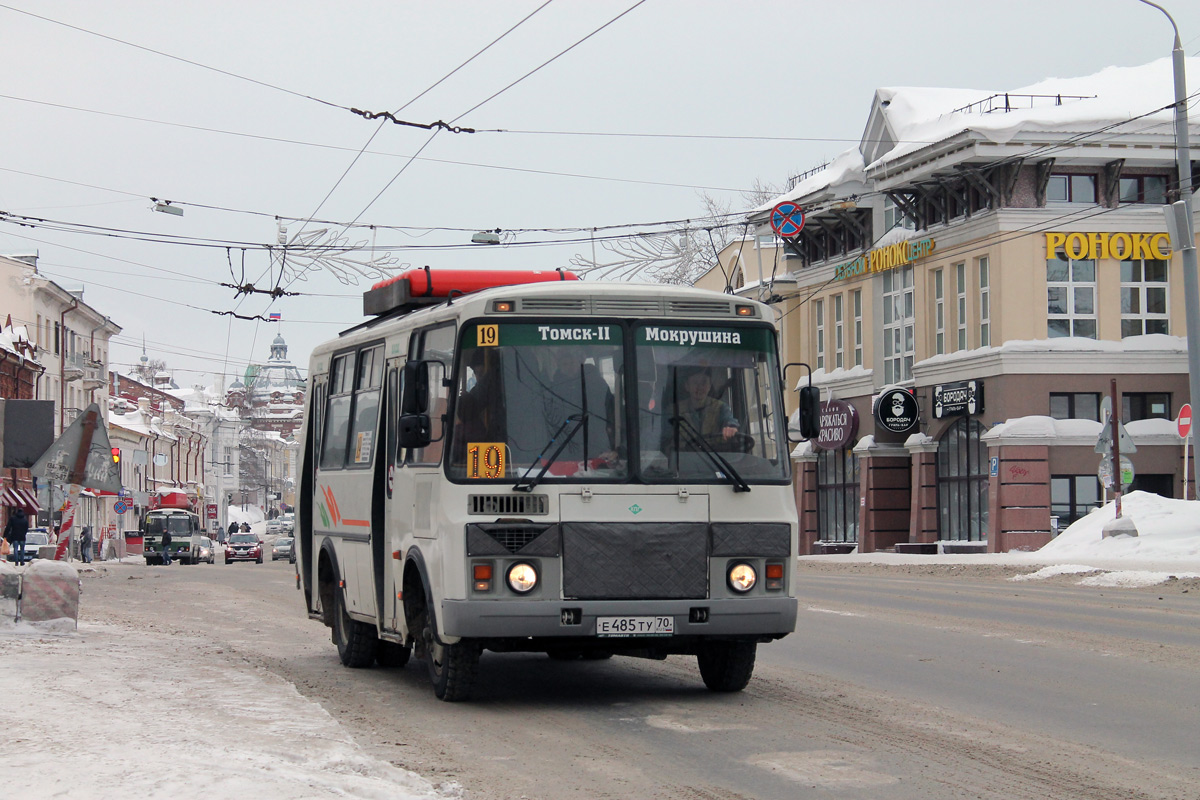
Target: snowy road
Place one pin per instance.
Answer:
(209, 681)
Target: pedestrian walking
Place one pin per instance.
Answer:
(86, 544)
(220, 534)
(14, 532)
(166, 547)
(245, 527)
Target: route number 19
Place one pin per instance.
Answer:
(485, 460)
(489, 336)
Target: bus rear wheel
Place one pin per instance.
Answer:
(355, 640)
(727, 666)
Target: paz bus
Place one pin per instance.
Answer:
(514, 461)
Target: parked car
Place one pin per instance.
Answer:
(33, 540)
(244, 547)
(288, 523)
(205, 551)
(282, 548)
(292, 553)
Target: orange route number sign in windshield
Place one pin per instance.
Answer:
(485, 460)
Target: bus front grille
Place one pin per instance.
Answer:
(628, 560)
(503, 504)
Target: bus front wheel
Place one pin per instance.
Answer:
(355, 640)
(727, 666)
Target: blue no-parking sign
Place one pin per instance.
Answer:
(787, 219)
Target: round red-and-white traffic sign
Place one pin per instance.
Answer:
(1184, 423)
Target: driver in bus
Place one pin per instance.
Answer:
(710, 416)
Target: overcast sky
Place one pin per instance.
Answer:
(102, 111)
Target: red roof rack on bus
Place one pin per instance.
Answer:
(416, 288)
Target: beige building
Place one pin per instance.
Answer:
(968, 283)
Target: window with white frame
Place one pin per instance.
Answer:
(899, 343)
(858, 327)
(985, 303)
(1143, 297)
(1071, 189)
(1070, 297)
(819, 316)
(960, 287)
(939, 313)
(839, 345)
(893, 217)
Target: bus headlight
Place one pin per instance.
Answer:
(522, 578)
(742, 577)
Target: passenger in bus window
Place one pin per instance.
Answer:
(709, 416)
(480, 410)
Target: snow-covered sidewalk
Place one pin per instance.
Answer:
(109, 712)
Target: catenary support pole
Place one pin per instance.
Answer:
(1183, 163)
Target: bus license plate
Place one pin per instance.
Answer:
(635, 626)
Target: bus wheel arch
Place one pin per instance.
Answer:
(452, 667)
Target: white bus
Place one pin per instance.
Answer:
(580, 469)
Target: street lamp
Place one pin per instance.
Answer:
(1187, 237)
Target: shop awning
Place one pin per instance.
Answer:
(17, 497)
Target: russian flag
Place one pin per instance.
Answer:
(275, 316)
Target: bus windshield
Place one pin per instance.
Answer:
(533, 396)
(543, 402)
(175, 523)
(709, 404)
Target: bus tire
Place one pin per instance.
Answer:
(356, 642)
(726, 666)
(392, 654)
(452, 668)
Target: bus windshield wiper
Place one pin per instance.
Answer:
(724, 468)
(524, 483)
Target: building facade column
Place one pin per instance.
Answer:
(804, 482)
(885, 477)
(1018, 496)
(923, 519)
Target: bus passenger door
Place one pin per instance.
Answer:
(395, 492)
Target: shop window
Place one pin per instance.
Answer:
(839, 345)
(1073, 497)
(893, 217)
(1070, 297)
(837, 495)
(819, 315)
(1143, 297)
(962, 484)
(899, 339)
(985, 303)
(858, 327)
(1144, 189)
(960, 284)
(1145, 405)
(1071, 189)
(1075, 405)
(939, 313)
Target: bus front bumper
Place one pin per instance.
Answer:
(770, 617)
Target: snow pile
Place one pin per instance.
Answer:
(1167, 530)
(112, 713)
(251, 514)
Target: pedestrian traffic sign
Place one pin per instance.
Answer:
(787, 219)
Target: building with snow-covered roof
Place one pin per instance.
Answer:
(993, 256)
(271, 403)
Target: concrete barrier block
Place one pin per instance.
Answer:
(10, 591)
(49, 591)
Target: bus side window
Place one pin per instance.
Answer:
(435, 345)
(337, 412)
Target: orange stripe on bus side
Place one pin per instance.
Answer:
(357, 523)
